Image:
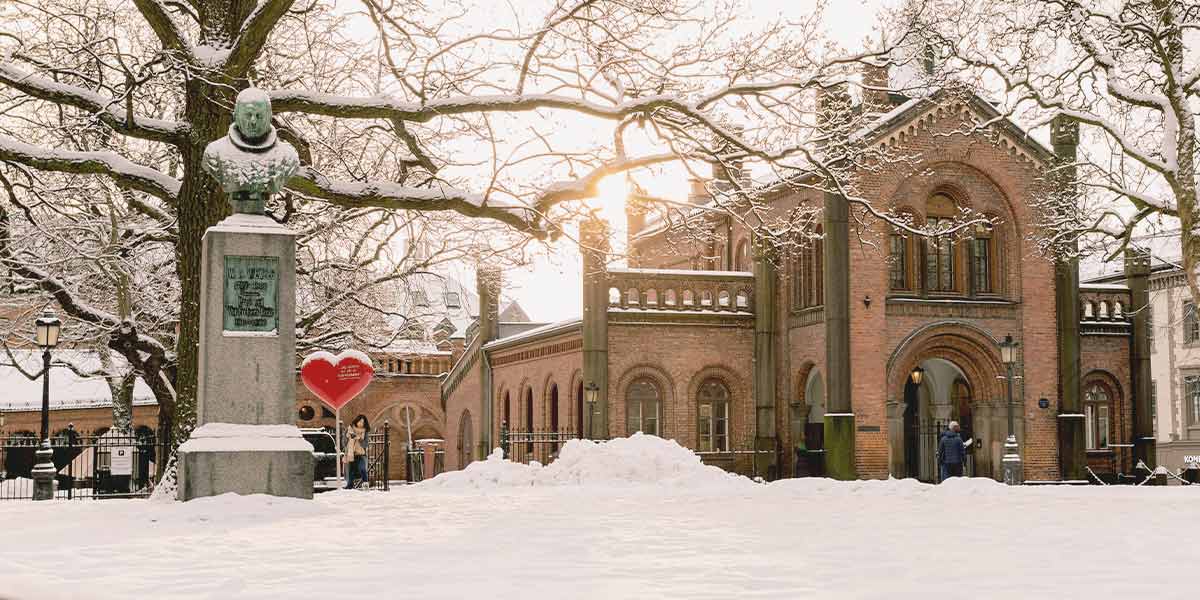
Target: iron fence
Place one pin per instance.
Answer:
(378, 458)
(111, 465)
(930, 436)
(541, 445)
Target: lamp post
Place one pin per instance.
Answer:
(590, 393)
(1012, 456)
(48, 327)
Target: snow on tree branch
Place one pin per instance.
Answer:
(108, 110)
(164, 26)
(120, 169)
(253, 34)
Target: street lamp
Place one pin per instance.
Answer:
(1012, 457)
(591, 393)
(917, 375)
(48, 327)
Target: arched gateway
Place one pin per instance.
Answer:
(958, 366)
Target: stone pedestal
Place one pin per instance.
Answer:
(246, 389)
(245, 459)
(44, 473)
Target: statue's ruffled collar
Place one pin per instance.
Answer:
(242, 143)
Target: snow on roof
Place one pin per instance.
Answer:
(67, 389)
(549, 328)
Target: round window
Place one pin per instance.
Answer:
(307, 413)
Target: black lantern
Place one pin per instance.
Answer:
(917, 375)
(48, 328)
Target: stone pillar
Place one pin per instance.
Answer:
(839, 416)
(487, 288)
(766, 329)
(1064, 135)
(593, 238)
(1137, 274)
(247, 441)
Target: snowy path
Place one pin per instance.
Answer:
(795, 539)
(636, 517)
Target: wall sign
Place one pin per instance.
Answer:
(120, 460)
(251, 293)
(1043, 403)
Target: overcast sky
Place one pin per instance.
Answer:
(550, 289)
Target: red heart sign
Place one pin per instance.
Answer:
(336, 380)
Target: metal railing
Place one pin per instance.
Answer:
(112, 465)
(540, 445)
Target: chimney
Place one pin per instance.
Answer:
(487, 282)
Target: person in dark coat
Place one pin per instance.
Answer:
(951, 452)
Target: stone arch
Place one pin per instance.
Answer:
(1116, 402)
(740, 403)
(575, 403)
(553, 399)
(669, 405)
(425, 420)
(975, 354)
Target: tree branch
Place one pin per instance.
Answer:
(108, 110)
(121, 170)
(254, 34)
(164, 26)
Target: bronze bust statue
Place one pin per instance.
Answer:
(250, 162)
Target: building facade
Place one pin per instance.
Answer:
(747, 355)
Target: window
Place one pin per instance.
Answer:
(1088, 310)
(642, 407)
(326, 413)
(307, 413)
(1096, 410)
(808, 286)
(419, 298)
(939, 249)
(713, 429)
(741, 260)
(981, 259)
(466, 441)
(1191, 396)
(898, 269)
(506, 416)
(529, 418)
(939, 258)
(452, 300)
(1191, 326)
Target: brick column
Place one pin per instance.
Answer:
(487, 287)
(1072, 454)
(1137, 274)
(766, 282)
(839, 418)
(593, 237)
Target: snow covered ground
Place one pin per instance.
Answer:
(637, 518)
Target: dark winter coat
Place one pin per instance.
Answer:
(951, 449)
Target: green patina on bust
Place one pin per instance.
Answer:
(250, 162)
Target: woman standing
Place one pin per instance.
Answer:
(355, 451)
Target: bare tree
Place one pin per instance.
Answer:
(1120, 71)
(449, 119)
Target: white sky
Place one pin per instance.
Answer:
(550, 289)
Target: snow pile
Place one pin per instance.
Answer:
(636, 459)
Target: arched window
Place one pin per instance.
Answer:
(689, 298)
(741, 258)
(983, 257)
(1118, 310)
(466, 440)
(1103, 314)
(529, 418)
(579, 409)
(939, 249)
(614, 296)
(713, 409)
(554, 407)
(1097, 406)
(631, 296)
(651, 297)
(506, 411)
(808, 277)
(1089, 310)
(642, 407)
(901, 259)
(669, 298)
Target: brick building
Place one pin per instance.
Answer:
(737, 353)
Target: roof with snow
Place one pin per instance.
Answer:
(68, 388)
